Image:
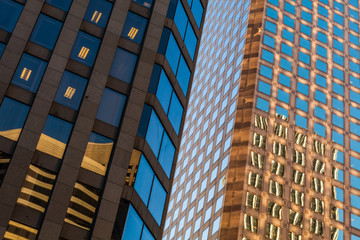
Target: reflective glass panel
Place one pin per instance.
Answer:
(46, 32)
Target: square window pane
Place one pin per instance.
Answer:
(12, 118)
(111, 107)
(9, 14)
(134, 27)
(29, 73)
(54, 137)
(98, 12)
(97, 154)
(71, 90)
(123, 65)
(61, 4)
(85, 49)
(46, 32)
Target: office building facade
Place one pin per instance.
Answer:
(292, 168)
(92, 99)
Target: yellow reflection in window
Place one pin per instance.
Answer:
(133, 167)
(96, 17)
(25, 74)
(83, 52)
(69, 92)
(132, 33)
(51, 146)
(17, 230)
(97, 157)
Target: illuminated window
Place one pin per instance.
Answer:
(134, 27)
(98, 12)
(70, 90)
(29, 73)
(85, 49)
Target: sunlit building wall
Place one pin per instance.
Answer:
(93, 95)
(293, 166)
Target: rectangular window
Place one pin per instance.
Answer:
(12, 118)
(46, 32)
(54, 137)
(10, 12)
(61, 4)
(71, 90)
(98, 12)
(123, 65)
(134, 27)
(29, 73)
(111, 107)
(134, 227)
(85, 49)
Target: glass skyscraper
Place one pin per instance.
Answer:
(289, 167)
(92, 101)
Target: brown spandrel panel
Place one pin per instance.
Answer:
(231, 222)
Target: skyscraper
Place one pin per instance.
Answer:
(292, 169)
(92, 97)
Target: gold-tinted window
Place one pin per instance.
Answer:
(300, 139)
(277, 168)
(318, 166)
(298, 177)
(294, 236)
(261, 122)
(252, 200)
(279, 149)
(299, 157)
(272, 231)
(317, 205)
(319, 147)
(133, 167)
(82, 207)
(317, 185)
(281, 131)
(276, 188)
(316, 226)
(37, 188)
(250, 223)
(295, 218)
(274, 210)
(255, 180)
(297, 197)
(259, 140)
(18, 231)
(256, 159)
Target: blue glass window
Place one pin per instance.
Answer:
(150, 190)
(322, 11)
(338, 32)
(154, 133)
(46, 32)
(355, 128)
(266, 71)
(354, 26)
(286, 49)
(305, 43)
(354, 39)
(337, 104)
(262, 104)
(339, 6)
(134, 27)
(338, 138)
(339, 194)
(355, 146)
(183, 75)
(303, 88)
(269, 41)
(71, 90)
(304, 73)
(337, 121)
(307, 3)
(29, 73)
(190, 40)
(321, 51)
(123, 65)
(166, 155)
(339, 89)
(301, 121)
(338, 45)
(197, 10)
(354, 67)
(271, 27)
(289, 21)
(306, 16)
(12, 118)
(61, 4)
(264, 87)
(145, 3)
(98, 12)
(111, 107)
(173, 53)
(268, 56)
(320, 113)
(319, 129)
(54, 137)
(322, 37)
(355, 163)
(284, 80)
(289, 8)
(302, 104)
(85, 49)
(287, 34)
(320, 80)
(285, 64)
(135, 228)
(305, 29)
(322, 66)
(2, 49)
(271, 13)
(355, 3)
(338, 59)
(303, 57)
(355, 112)
(281, 111)
(339, 19)
(9, 14)
(354, 53)
(354, 81)
(337, 73)
(355, 97)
